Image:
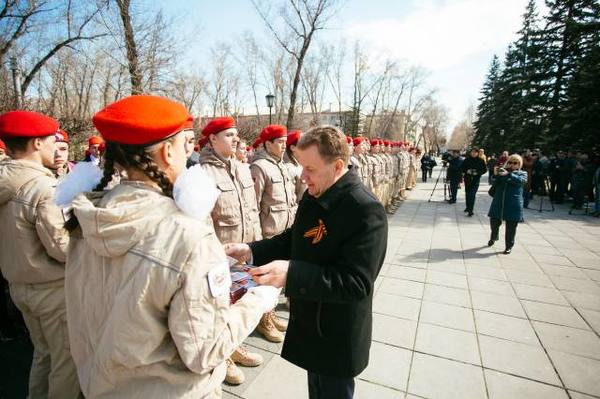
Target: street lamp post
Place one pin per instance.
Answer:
(14, 67)
(270, 102)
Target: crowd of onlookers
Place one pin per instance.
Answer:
(565, 176)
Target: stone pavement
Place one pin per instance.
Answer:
(456, 319)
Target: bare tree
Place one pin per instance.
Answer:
(335, 75)
(301, 20)
(131, 46)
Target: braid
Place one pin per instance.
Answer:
(109, 166)
(146, 164)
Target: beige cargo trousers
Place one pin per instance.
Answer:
(53, 374)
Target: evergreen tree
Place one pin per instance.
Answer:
(486, 126)
(569, 35)
(581, 115)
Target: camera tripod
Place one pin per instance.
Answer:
(442, 173)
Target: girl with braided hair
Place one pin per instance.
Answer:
(147, 280)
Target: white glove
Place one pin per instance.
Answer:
(268, 295)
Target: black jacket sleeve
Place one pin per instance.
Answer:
(278, 247)
(352, 276)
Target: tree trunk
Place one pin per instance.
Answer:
(132, 54)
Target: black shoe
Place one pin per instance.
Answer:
(491, 242)
(508, 250)
(470, 213)
(466, 210)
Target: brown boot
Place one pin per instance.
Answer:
(268, 329)
(280, 324)
(242, 356)
(234, 375)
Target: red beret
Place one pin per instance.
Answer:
(141, 119)
(357, 140)
(188, 125)
(62, 136)
(202, 142)
(2, 145)
(272, 132)
(349, 140)
(293, 137)
(95, 140)
(218, 125)
(26, 124)
(248, 148)
(257, 142)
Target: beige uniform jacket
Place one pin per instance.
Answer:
(367, 168)
(275, 193)
(33, 243)
(144, 321)
(235, 215)
(358, 168)
(295, 170)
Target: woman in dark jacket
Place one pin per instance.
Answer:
(507, 204)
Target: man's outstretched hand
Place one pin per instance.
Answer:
(273, 273)
(240, 252)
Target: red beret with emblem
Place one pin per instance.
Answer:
(357, 140)
(272, 132)
(26, 124)
(218, 125)
(62, 136)
(95, 140)
(293, 137)
(141, 119)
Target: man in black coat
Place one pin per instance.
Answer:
(328, 262)
(453, 174)
(472, 169)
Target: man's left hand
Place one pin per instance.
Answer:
(273, 273)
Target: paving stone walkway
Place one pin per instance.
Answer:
(456, 319)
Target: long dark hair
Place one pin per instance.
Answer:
(128, 157)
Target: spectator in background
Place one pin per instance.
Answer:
(427, 165)
(472, 169)
(558, 177)
(482, 155)
(453, 174)
(528, 162)
(502, 159)
(491, 164)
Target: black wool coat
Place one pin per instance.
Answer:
(336, 248)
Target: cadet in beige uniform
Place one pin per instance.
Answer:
(33, 249)
(148, 282)
(3, 155)
(275, 194)
(235, 215)
(294, 167)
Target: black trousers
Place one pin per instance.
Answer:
(323, 387)
(471, 193)
(511, 231)
(454, 189)
(424, 175)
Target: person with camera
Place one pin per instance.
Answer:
(472, 169)
(427, 165)
(507, 204)
(453, 174)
